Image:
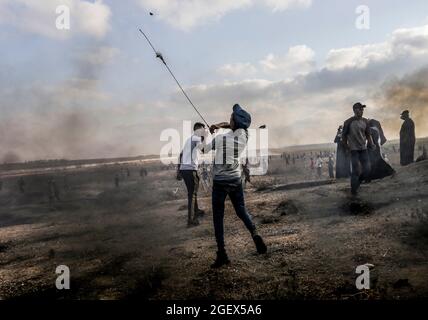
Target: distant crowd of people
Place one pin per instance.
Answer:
(53, 189)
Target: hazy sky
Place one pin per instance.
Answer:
(96, 90)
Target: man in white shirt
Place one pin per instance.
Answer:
(188, 170)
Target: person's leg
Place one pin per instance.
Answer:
(195, 196)
(236, 195)
(365, 165)
(218, 197)
(188, 181)
(355, 175)
(198, 181)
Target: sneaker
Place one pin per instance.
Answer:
(221, 260)
(260, 245)
(193, 223)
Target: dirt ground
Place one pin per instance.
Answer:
(131, 241)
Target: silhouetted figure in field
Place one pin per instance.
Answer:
(422, 157)
(318, 164)
(393, 148)
(21, 184)
(143, 172)
(1, 185)
(407, 139)
(128, 173)
(53, 190)
(116, 180)
(379, 167)
(343, 159)
(66, 185)
(331, 167)
(356, 135)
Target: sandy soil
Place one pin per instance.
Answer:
(132, 241)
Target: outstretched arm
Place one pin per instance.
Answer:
(221, 125)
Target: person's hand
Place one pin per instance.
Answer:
(213, 128)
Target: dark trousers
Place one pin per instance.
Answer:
(236, 195)
(360, 168)
(331, 171)
(191, 179)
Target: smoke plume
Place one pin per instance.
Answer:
(398, 94)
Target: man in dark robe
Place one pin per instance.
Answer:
(343, 160)
(379, 167)
(407, 139)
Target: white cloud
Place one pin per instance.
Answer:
(299, 102)
(39, 17)
(307, 98)
(238, 69)
(92, 18)
(358, 56)
(186, 14)
(281, 5)
(410, 43)
(298, 60)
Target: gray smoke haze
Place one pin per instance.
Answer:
(60, 121)
(77, 119)
(409, 92)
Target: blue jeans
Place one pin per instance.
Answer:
(236, 195)
(358, 175)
